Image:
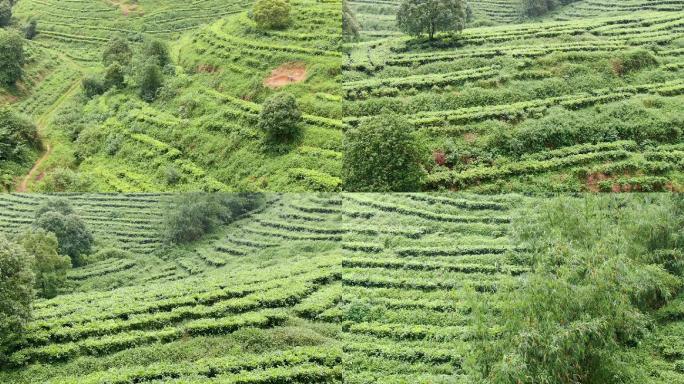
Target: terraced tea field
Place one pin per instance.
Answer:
(310, 288)
(241, 306)
(204, 132)
(542, 105)
(409, 262)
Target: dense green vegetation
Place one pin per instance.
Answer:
(391, 288)
(113, 119)
(585, 98)
(239, 305)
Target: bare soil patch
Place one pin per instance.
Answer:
(286, 74)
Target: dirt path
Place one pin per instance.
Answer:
(40, 125)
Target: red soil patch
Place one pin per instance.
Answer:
(286, 74)
(126, 9)
(594, 179)
(439, 157)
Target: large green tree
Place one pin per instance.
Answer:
(16, 293)
(50, 267)
(74, 238)
(271, 14)
(11, 57)
(416, 17)
(382, 155)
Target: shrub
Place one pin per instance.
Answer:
(383, 154)
(74, 238)
(31, 29)
(11, 57)
(65, 180)
(157, 50)
(271, 14)
(50, 268)
(16, 294)
(17, 134)
(280, 119)
(350, 26)
(150, 81)
(117, 51)
(114, 77)
(633, 61)
(191, 216)
(92, 86)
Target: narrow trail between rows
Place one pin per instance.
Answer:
(40, 125)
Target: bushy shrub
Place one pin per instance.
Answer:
(31, 29)
(17, 135)
(50, 268)
(271, 14)
(11, 57)
(74, 238)
(62, 179)
(16, 294)
(114, 77)
(633, 61)
(190, 216)
(383, 154)
(92, 86)
(151, 80)
(158, 51)
(280, 119)
(117, 51)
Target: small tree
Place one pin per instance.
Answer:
(50, 268)
(31, 29)
(92, 86)
(416, 17)
(5, 13)
(383, 155)
(117, 51)
(16, 293)
(11, 57)
(73, 237)
(271, 14)
(114, 76)
(151, 80)
(158, 50)
(280, 118)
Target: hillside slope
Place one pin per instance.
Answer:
(201, 132)
(578, 101)
(241, 306)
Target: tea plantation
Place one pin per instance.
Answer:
(201, 131)
(361, 288)
(241, 306)
(585, 98)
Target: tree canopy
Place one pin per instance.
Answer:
(11, 57)
(416, 17)
(383, 154)
(16, 293)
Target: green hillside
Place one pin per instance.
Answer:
(586, 98)
(369, 288)
(201, 131)
(240, 306)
